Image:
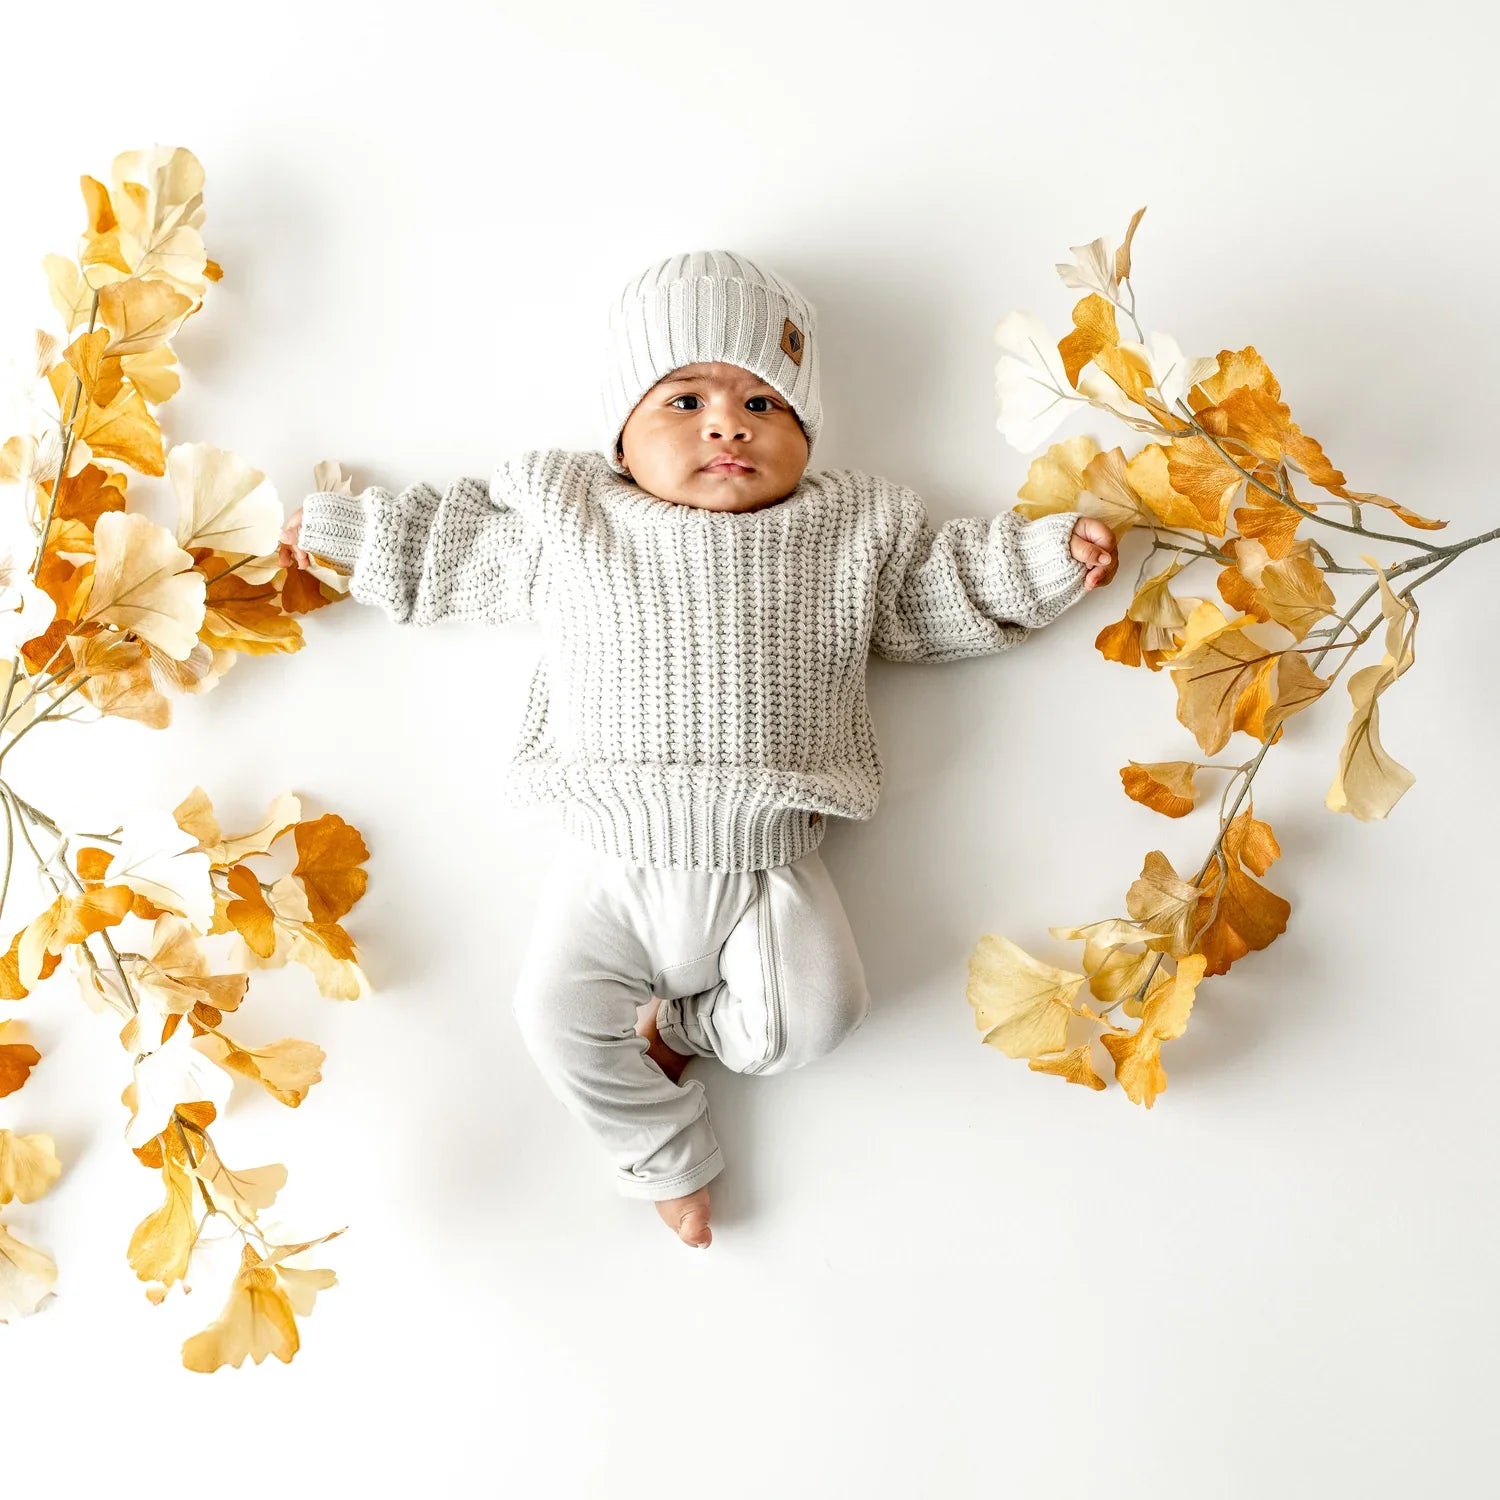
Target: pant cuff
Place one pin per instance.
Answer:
(678, 1186)
(669, 1029)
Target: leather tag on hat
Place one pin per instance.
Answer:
(792, 341)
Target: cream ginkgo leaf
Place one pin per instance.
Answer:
(27, 1276)
(176, 1073)
(1035, 397)
(140, 315)
(143, 581)
(161, 861)
(223, 502)
(195, 813)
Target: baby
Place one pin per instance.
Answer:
(707, 608)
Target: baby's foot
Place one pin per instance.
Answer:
(689, 1217)
(671, 1063)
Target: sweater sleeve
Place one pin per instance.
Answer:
(422, 556)
(972, 586)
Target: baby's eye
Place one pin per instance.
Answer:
(771, 406)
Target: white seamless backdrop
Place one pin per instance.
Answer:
(934, 1272)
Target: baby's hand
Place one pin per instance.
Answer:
(1092, 542)
(287, 547)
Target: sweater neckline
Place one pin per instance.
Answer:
(630, 495)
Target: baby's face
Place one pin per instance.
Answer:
(705, 411)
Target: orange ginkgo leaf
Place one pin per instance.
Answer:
(1249, 916)
(1075, 1066)
(17, 1059)
(1148, 476)
(1164, 1015)
(28, 1166)
(1094, 331)
(1368, 782)
(1291, 590)
(1021, 1004)
(251, 914)
(329, 854)
(68, 919)
(1202, 473)
(247, 617)
(286, 1069)
(1166, 786)
(27, 1277)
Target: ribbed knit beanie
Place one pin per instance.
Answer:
(703, 306)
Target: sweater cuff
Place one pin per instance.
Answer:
(1057, 575)
(333, 527)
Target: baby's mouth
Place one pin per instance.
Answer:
(728, 466)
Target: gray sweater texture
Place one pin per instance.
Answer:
(699, 700)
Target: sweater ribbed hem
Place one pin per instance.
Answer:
(726, 835)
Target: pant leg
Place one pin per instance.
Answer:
(791, 984)
(586, 971)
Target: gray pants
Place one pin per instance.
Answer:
(757, 968)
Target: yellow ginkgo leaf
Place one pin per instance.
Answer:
(257, 1320)
(143, 581)
(140, 315)
(161, 1245)
(1075, 1066)
(286, 1069)
(1164, 1015)
(28, 1166)
(1019, 1003)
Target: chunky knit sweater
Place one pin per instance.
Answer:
(699, 701)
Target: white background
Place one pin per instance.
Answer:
(934, 1273)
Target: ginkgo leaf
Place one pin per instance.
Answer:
(161, 1245)
(28, 1166)
(286, 1069)
(111, 415)
(247, 1190)
(140, 315)
(1220, 684)
(1075, 1066)
(1166, 786)
(158, 859)
(329, 854)
(223, 502)
(1369, 782)
(27, 1277)
(196, 815)
(1244, 915)
(1035, 395)
(17, 1059)
(143, 581)
(1163, 902)
(1019, 1003)
(172, 978)
(176, 1073)
(257, 1320)
(1094, 332)
(68, 919)
(1137, 1054)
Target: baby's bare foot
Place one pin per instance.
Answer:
(671, 1063)
(689, 1217)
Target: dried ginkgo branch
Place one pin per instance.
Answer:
(1221, 436)
(103, 606)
